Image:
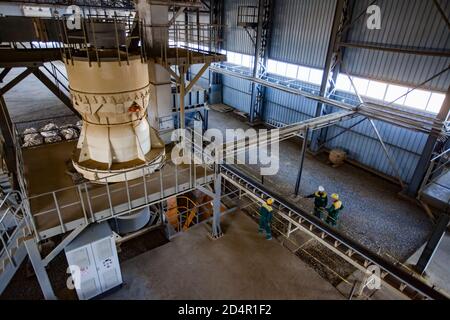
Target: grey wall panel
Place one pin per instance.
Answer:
(237, 93)
(286, 108)
(405, 24)
(236, 38)
(301, 31)
(368, 151)
(362, 144)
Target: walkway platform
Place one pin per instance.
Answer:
(437, 193)
(58, 205)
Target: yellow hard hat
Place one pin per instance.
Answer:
(335, 196)
(270, 201)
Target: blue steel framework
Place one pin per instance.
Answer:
(410, 48)
(283, 107)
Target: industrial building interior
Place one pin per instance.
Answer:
(128, 130)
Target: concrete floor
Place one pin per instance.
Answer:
(374, 214)
(241, 265)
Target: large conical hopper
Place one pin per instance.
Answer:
(116, 140)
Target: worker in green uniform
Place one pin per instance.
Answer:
(320, 201)
(334, 210)
(266, 218)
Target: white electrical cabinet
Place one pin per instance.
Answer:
(92, 257)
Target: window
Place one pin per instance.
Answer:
(232, 57)
(376, 90)
(272, 66)
(418, 99)
(316, 76)
(436, 102)
(303, 73)
(291, 71)
(247, 61)
(394, 92)
(343, 83)
(361, 85)
(281, 68)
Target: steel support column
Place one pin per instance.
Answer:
(8, 136)
(302, 161)
(262, 43)
(433, 244)
(427, 153)
(330, 61)
(216, 229)
(39, 269)
(217, 16)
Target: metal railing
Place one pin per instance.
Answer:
(295, 218)
(438, 166)
(114, 4)
(99, 200)
(13, 220)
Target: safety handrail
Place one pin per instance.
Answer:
(399, 275)
(8, 195)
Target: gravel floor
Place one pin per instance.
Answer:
(374, 214)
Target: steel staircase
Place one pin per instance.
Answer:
(14, 229)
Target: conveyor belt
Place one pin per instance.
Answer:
(396, 277)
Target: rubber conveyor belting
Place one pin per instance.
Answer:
(398, 274)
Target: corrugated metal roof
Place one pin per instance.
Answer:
(404, 23)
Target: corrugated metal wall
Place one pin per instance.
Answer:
(236, 38)
(300, 36)
(301, 31)
(362, 144)
(404, 23)
(237, 93)
(286, 108)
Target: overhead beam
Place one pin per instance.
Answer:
(28, 57)
(384, 47)
(442, 12)
(419, 125)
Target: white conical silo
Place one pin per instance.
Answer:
(112, 98)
